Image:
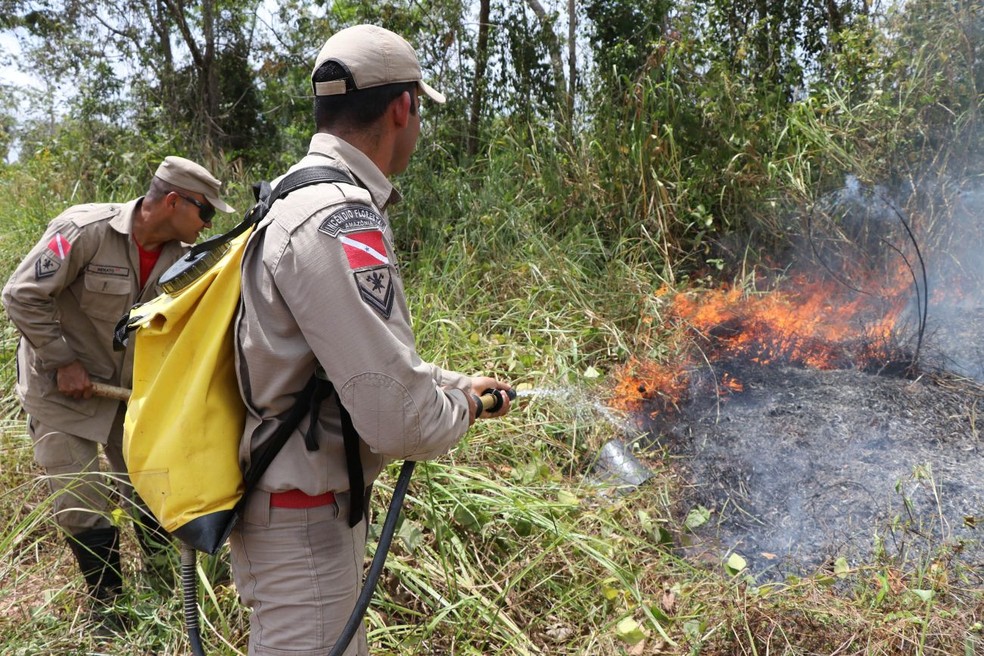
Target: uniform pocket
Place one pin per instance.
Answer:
(105, 297)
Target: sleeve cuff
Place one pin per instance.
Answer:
(453, 379)
(460, 399)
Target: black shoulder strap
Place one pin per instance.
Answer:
(308, 176)
(308, 401)
(350, 438)
(262, 458)
(265, 198)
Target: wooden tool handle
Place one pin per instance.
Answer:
(111, 391)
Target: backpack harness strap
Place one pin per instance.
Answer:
(350, 437)
(309, 399)
(265, 198)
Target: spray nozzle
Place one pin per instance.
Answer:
(490, 401)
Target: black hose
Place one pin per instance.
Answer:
(189, 587)
(378, 560)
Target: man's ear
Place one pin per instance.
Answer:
(401, 109)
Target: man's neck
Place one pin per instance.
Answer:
(371, 142)
(142, 229)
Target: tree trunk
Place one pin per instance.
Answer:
(556, 59)
(203, 59)
(481, 63)
(571, 59)
(211, 77)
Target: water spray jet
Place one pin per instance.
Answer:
(616, 464)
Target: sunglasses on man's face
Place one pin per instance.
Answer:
(205, 212)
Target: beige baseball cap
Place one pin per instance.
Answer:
(373, 56)
(184, 173)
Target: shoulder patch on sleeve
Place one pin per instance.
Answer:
(376, 288)
(46, 266)
(58, 248)
(351, 218)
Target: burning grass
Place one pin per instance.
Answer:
(810, 323)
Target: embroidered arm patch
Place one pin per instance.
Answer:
(364, 249)
(59, 246)
(50, 261)
(376, 288)
(351, 218)
(46, 266)
(359, 229)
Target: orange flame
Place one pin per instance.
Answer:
(641, 381)
(808, 323)
(730, 384)
(802, 327)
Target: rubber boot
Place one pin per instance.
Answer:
(159, 556)
(98, 554)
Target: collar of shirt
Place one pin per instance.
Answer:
(380, 188)
(123, 221)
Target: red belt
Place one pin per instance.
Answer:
(296, 499)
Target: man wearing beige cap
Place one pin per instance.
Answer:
(93, 263)
(322, 298)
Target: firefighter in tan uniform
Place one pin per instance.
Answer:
(322, 295)
(92, 264)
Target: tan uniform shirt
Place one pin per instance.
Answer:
(321, 284)
(65, 299)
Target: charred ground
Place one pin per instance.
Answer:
(801, 467)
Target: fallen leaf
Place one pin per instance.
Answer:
(696, 517)
(735, 564)
(668, 602)
(925, 595)
(629, 631)
(558, 633)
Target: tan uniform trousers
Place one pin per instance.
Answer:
(300, 570)
(82, 495)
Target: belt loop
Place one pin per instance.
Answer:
(257, 509)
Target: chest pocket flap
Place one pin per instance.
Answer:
(105, 297)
